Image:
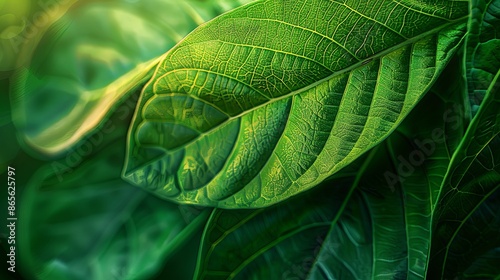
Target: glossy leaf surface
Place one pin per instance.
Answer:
(239, 121)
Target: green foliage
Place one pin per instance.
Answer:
(77, 233)
(90, 60)
(482, 48)
(90, 224)
(314, 97)
(375, 224)
(335, 139)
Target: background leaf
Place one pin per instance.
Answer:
(485, 266)
(85, 222)
(237, 121)
(90, 59)
(474, 252)
(20, 23)
(472, 177)
(483, 48)
(466, 222)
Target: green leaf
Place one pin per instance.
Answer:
(370, 226)
(483, 48)
(232, 120)
(474, 172)
(472, 177)
(476, 245)
(85, 222)
(90, 60)
(284, 234)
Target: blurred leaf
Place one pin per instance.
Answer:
(8, 142)
(95, 226)
(18, 28)
(90, 59)
(238, 121)
(85, 222)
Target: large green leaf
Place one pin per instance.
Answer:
(85, 222)
(90, 59)
(268, 100)
(483, 48)
(382, 232)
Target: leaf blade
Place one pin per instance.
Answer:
(247, 79)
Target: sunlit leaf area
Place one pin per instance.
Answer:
(250, 139)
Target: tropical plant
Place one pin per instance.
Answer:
(267, 139)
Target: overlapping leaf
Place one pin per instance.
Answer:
(381, 230)
(483, 48)
(474, 174)
(268, 100)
